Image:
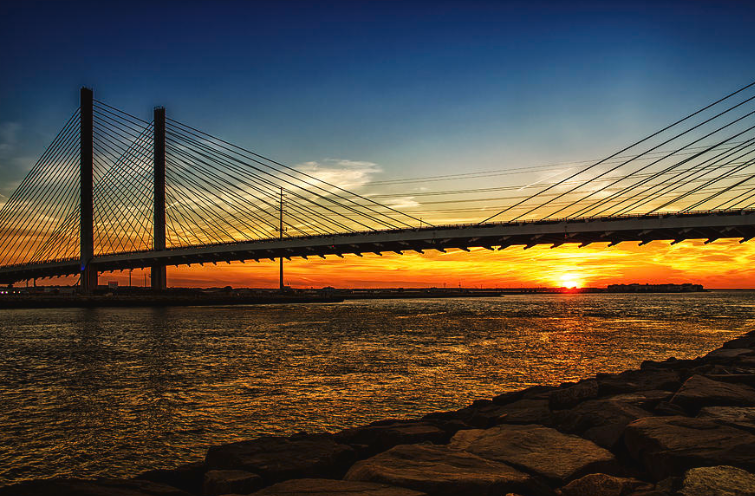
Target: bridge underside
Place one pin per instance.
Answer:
(644, 228)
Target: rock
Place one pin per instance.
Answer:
(525, 411)
(570, 396)
(536, 449)
(531, 393)
(721, 480)
(746, 341)
(741, 417)
(99, 487)
(438, 470)
(218, 482)
(729, 352)
(379, 437)
(639, 380)
(602, 421)
(746, 379)
(669, 485)
(667, 446)
(668, 409)
(699, 391)
(485, 417)
(188, 477)
(670, 364)
(280, 458)
(471, 416)
(326, 487)
(644, 399)
(604, 485)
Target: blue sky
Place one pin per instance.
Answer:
(415, 88)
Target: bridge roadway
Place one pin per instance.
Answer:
(674, 227)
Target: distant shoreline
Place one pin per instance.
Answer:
(138, 297)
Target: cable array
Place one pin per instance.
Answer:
(40, 219)
(702, 161)
(218, 192)
(123, 189)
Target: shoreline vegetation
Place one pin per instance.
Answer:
(676, 427)
(65, 296)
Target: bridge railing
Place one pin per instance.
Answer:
(460, 226)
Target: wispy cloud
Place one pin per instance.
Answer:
(344, 173)
(402, 202)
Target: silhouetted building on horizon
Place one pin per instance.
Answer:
(655, 288)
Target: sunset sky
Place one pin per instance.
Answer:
(388, 99)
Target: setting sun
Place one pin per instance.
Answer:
(570, 281)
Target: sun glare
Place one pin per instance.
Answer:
(570, 281)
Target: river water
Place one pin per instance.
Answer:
(86, 392)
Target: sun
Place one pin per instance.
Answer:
(570, 281)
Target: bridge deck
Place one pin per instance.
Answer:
(613, 230)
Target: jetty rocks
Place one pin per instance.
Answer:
(678, 427)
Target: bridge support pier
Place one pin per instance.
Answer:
(88, 274)
(159, 276)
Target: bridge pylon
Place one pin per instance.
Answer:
(158, 272)
(88, 274)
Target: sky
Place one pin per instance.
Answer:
(373, 92)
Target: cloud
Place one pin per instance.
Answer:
(344, 173)
(402, 202)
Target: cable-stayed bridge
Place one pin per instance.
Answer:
(115, 192)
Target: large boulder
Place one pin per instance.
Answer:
(746, 341)
(721, 480)
(99, 487)
(699, 391)
(643, 399)
(667, 446)
(741, 417)
(602, 421)
(740, 376)
(219, 482)
(571, 396)
(483, 416)
(729, 353)
(537, 392)
(604, 485)
(638, 380)
(539, 450)
(525, 411)
(280, 458)
(327, 487)
(382, 436)
(188, 477)
(438, 470)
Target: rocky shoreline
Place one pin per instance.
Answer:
(678, 427)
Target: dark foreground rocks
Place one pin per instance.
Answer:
(672, 428)
(99, 487)
(276, 459)
(442, 470)
(542, 451)
(325, 487)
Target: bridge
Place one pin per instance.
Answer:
(115, 192)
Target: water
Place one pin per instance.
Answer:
(86, 392)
